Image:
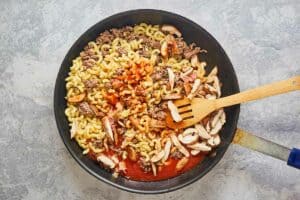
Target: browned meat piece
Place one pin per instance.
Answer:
(89, 84)
(119, 71)
(188, 53)
(157, 113)
(140, 91)
(82, 54)
(165, 74)
(160, 75)
(187, 87)
(116, 149)
(146, 166)
(90, 52)
(95, 57)
(88, 57)
(128, 28)
(144, 38)
(157, 76)
(153, 111)
(97, 143)
(85, 58)
(108, 85)
(161, 115)
(155, 44)
(178, 82)
(177, 155)
(105, 38)
(97, 112)
(149, 42)
(85, 109)
(134, 141)
(142, 99)
(126, 102)
(122, 32)
(88, 63)
(121, 51)
(116, 84)
(163, 105)
(131, 36)
(126, 31)
(116, 32)
(145, 53)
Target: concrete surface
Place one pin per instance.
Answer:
(262, 38)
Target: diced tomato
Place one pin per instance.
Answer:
(138, 76)
(111, 98)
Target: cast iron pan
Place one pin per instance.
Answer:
(192, 32)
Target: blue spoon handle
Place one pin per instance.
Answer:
(294, 158)
(250, 141)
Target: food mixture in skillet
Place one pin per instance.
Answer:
(119, 90)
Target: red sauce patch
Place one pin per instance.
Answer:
(134, 171)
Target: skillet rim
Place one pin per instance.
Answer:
(57, 96)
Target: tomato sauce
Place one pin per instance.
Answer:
(135, 172)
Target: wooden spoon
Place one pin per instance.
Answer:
(192, 111)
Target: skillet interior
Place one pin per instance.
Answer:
(191, 33)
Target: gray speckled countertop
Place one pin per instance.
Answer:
(262, 38)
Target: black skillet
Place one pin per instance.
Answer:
(192, 32)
